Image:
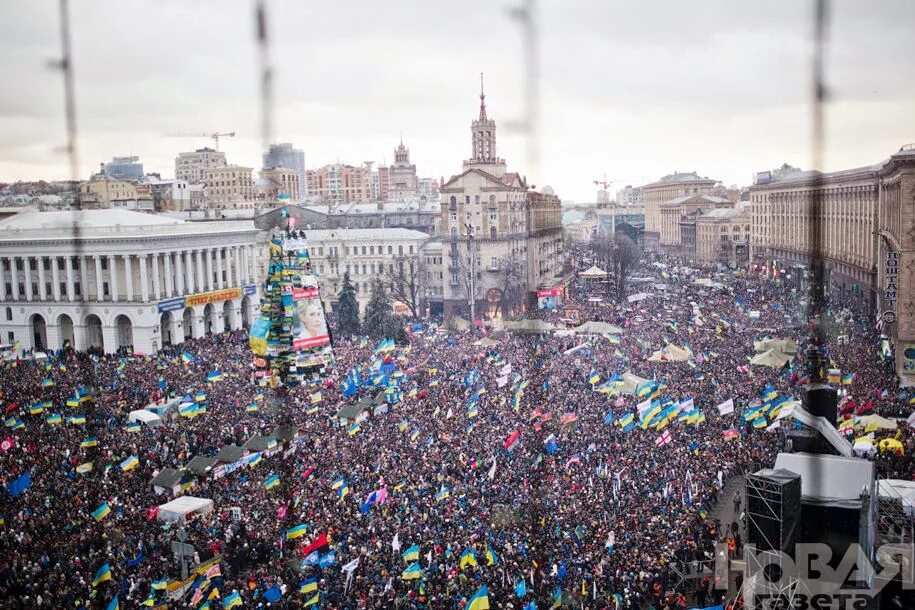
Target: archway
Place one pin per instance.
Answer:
(246, 312)
(39, 332)
(94, 338)
(165, 328)
(188, 320)
(124, 329)
(227, 316)
(65, 328)
(208, 315)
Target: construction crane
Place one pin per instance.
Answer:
(604, 183)
(215, 136)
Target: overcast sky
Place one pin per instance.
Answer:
(633, 90)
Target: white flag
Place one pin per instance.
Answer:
(505, 370)
(395, 543)
(449, 414)
(349, 568)
(726, 407)
(502, 381)
(429, 557)
(492, 470)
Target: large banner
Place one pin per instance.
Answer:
(309, 328)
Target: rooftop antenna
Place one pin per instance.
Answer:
(263, 43)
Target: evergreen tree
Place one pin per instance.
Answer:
(377, 312)
(347, 309)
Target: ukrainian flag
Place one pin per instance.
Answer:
(411, 554)
(83, 468)
(593, 377)
(101, 512)
(36, 409)
(337, 484)
(54, 418)
(307, 586)
(312, 409)
(343, 491)
(187, 357)
(354, 429)
(113, 604)
(254, 460)
(150, 601)
(316, 397)
(479, 601)
(473, 411)
(491, 558)
(160, 585)
(103, 574)
(77, 419)
(296, 532)
(626, 420)
(403, 426)
(232, 600)
(200, 396)
(252, 408)
(130, 463)
(847, 378)
(89, 441)
(47, 383)
(444, 494)
(133, 427)
(271, 482)
(412, 572)
(468, 557)
(214, 376)
(314, 600)
(73, 402)
(759, 423)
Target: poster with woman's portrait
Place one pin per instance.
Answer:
(309, 328)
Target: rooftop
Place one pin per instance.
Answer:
(32, 224)
(709, 198)
(365, 234)
(680, 177)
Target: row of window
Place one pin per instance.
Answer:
(365, 250)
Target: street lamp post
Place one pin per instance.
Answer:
(473, 269)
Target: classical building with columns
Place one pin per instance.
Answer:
(110, 279)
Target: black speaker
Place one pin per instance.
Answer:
(820, 400)
(773, 508)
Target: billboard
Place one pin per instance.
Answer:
(309, 328)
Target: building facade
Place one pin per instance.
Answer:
(285, 156)
(672, 211)
(169, 195)
(666, 189)
(191, 167)
(630, 196)
(403, 182)
(337, 184)
(125, 280)
(868, 228)
(229, 187)
(500, 241)
(723, 236)
(366, 254)
(276, 182)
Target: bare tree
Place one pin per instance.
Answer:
(626, 255)
(406, 279)
(514, 285)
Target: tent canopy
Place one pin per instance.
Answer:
(631, 381)
(459, 323)
(598, 328)
(594, 271)
(230, 453)
(529, 326)
(167, 477)
(180, 509)
(486, 342)
(671, 353)
(882, 423)
(147, 417)
(200, 465)
(788, 346)
(774, 358)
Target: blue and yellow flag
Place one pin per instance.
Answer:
(479, 600)
(411, 554)
(101, 512)
(412, 572)
(103, 574)
(491, 558)
(468, 558)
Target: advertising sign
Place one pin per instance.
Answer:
(908, 358)
(891, 272)
(213, 296)
(309, 329)
(173, 304)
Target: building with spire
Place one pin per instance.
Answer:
(502, 241)
(402, 182)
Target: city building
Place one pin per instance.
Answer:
(277, 181)
(415, 215)
(672, 211)
(191, 166)
(337, 183)
(367, 255)
(428, 189)
(501, 242)
(868, 241)
(124, 279)
(403, 182)
(104, 192)
(123, 168)
(168, 195)
(229, 187)
(285, 156)
(667, 188)
(615, 217)
(722, 235)
(630, 196)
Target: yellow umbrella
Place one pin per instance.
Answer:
(890, 444)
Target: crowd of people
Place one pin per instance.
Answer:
(504, 465)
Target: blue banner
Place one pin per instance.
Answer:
(249, 289)
(173, 304)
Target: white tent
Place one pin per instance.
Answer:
(671, 353)
(598, 328)
(593, 272)
(631, 382)
(147, 417)
(882, 423)
(771, 357)
(635, 298)
(830, 480)
(181, 509)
